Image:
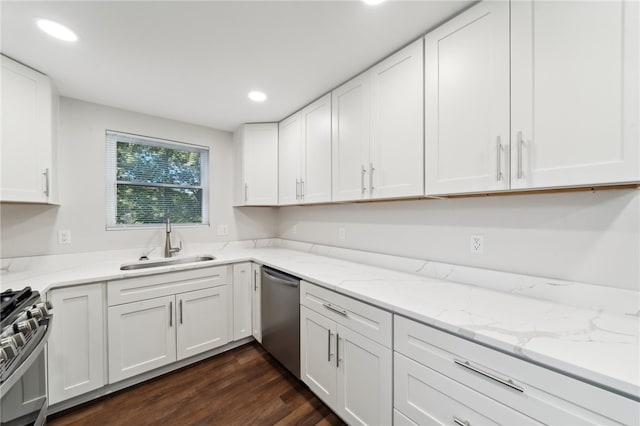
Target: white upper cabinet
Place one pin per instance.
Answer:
(315, 125)
(26, 147)
(350, 140)
(396, 167)
(574, 93)
(558, 108)
(377, 129)
(467, 102)
(256, 165)
(289, 160)
(305, 155)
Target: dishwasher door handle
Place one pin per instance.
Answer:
(278, 280)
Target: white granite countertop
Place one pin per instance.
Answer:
(601, 347)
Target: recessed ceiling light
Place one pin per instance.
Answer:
(373, 2)
(56, 30)
(257, 96)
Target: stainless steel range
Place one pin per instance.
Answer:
(24, 330)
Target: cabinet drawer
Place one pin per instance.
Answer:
(543, 394)
(372, 322)
(429, 398)
(149, 287)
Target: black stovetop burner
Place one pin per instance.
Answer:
(13, 300)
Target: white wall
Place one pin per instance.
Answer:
(29, 230)
(591, 237)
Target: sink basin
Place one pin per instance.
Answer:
(167, 262)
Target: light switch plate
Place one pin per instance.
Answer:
(222, 230)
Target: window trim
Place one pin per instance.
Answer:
(112, 137)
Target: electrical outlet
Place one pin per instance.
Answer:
(342, 233)
(222, 230)
(294, 229)
(64, 236)
(477, 244)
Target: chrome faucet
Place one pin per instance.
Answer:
(168, 250)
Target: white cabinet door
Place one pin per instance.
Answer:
(142, 336)
(201, 321)
(350, 140)
(255, 162)
(26, 143)
(467, 102)
(242, 291)
(75, 354)
(315, 123)
(256, 302)
(289, 160)
(261, 164)
(364, 387)
(317, 354)
(397, 156)
(575, 92)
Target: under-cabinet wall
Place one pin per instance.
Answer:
(30, 230)
(591, 237)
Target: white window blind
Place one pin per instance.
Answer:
(149, 179)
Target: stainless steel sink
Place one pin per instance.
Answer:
(167, 262)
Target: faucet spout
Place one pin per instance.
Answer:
(168, 250)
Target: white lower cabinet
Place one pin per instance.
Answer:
(364, 379)
(440, 378)
(201, 321)
(350, 372)
(142, 337)
(75, 351)
(256, 302)
(429, 398)
(317, 355)
(242, 295)
(156, 320)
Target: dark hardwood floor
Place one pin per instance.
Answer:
(244, 386)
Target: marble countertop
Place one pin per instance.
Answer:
(601, 347)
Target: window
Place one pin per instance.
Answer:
(150, 179)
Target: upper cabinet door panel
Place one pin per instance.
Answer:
(261, 153)
(289, 157)
(575, 93)
(467, 102)
(350, 139)
(397, 124)
(26, 144)
(316, 134)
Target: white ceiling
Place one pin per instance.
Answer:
(196, 61)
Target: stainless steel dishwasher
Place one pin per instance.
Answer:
(281, 317)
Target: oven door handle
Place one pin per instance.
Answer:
(22, 368)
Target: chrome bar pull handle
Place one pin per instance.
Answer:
(297, 189)
(520, 142)
(461, 422)
(246, 192)
(329, 346)
(371, 188)
(302, 188)
(255, 280)
(180, 311)
(337, 350)
(362, 172)
(505, 382)
(332, 308)
(46, 182)
(499, 159)
(170, 314)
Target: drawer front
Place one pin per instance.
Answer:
(400, 419)
(429, 398)
(372, 322)
(152, 286)
(547, 396)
